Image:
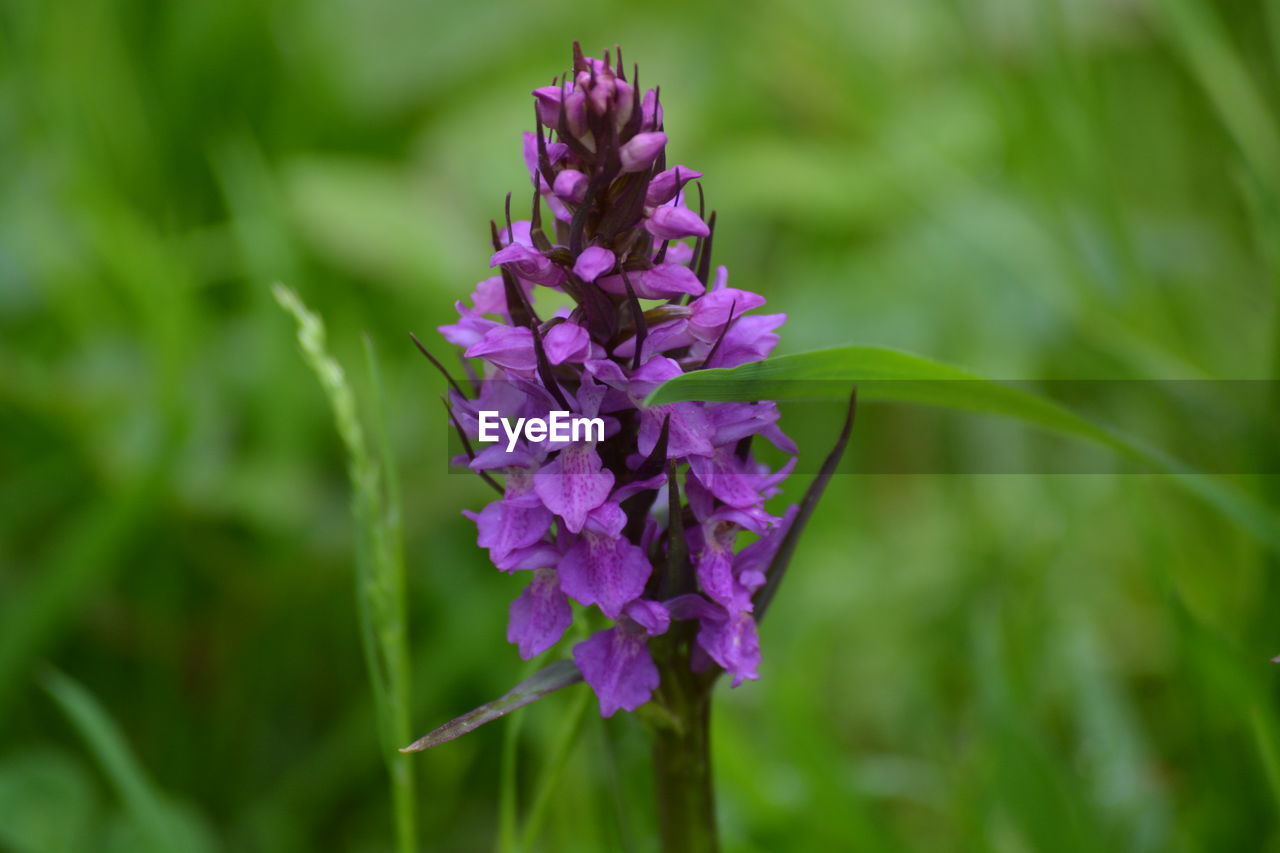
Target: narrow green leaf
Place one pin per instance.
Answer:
(108, 745)
(154, 817)
(1264, 734)
(560, 674)
(787, 548)
(893, 375)
(379, 578)
(554, 761)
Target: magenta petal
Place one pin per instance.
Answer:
(506, 346)
(529, 263)
(604, 571)
(555, 153)
(571, 185)
(749, 339)
(667, 280)
(635, 487)
(505, 526)
(649, 615)
(469, 329)
(566, 342)
(539, 555)
(594, 262)
(639, 151)
(662, 337)
(735, 421)
(728, 478)
(619, 669)
(653, 373)
(513, 253)
(549, 104)
(709, 313)
(757, 557)
(689, 433)
(539, 616)
(664, 185)
(608, 519)
(573, 484)
(650, 110)
(575, 107)
(690, 606)
(715, 573)
(673, 223)
(679, 253)
(607, 372)
(732, 642)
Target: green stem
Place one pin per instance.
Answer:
(682, 758)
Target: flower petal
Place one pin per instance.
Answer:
(639, 152)
(672, 223)
(619, 669)
(539, 615)
(566, 342)
(665, 185)
(607, 572)
(732, 642)
(594, 262)
(573, 484)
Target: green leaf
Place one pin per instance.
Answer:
(560, 674)
(896, 376)
(381, 601)
(156, 821)
(47, 803)
(787, 547)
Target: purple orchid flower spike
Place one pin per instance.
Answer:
(646, 521)
(582, 515)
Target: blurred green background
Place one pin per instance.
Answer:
(1079, 189)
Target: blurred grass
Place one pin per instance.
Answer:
(1048, 189)
(379, 556)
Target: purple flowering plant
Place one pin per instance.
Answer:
(661, 525)
(654, 533)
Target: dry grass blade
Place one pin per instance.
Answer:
(560, 674)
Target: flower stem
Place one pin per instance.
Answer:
(682, 760)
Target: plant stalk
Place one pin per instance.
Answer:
(683, 785)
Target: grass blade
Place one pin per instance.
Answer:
(555, 761)
(380, 584)
(155, 819)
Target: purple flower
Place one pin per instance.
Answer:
(540, 615)
(516, 521)
(573, 484)
(708, 314)
(571, 186)
(529, 264)
(665, 185)
(673, 223)
(617, 664)
(593, 263)
(506, 346)
(730, 638)
(639, 151)
(588, 518)
(602, 567)
(566, 341)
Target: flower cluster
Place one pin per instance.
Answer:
(610, 524)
